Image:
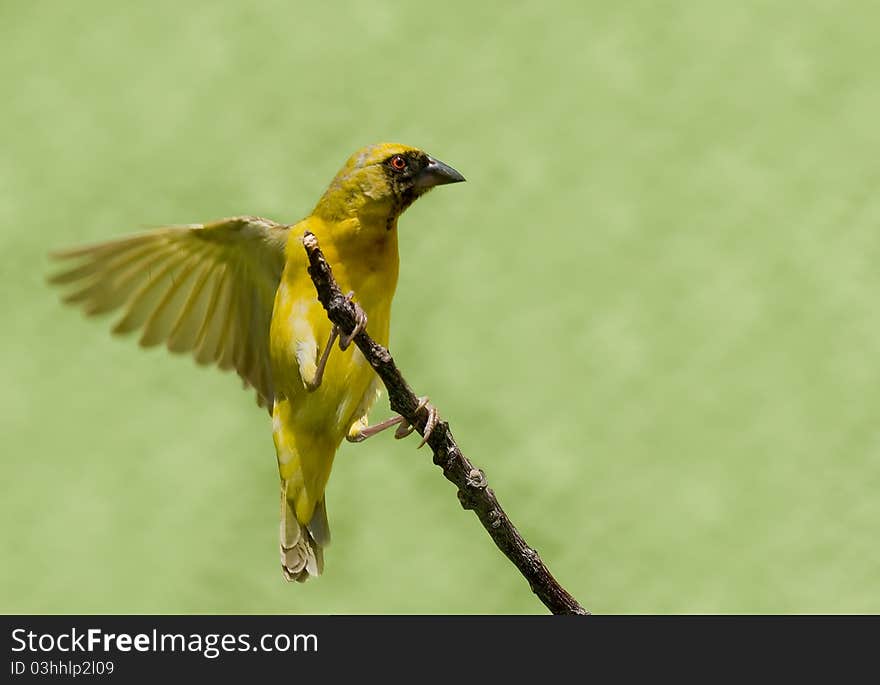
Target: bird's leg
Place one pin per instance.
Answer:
(361, 433)
(315, 383)
(360, 324)
(344, 342)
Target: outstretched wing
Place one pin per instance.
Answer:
(208, 289)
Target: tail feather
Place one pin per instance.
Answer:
(318, 526)
(302, 554)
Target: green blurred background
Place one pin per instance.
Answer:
(650, 315)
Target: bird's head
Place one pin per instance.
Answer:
(381, 181)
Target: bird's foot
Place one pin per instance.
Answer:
(430, 424)
(360, 324)
(403, 427)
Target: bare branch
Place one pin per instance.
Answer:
(473, 490)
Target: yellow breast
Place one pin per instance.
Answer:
(363, 261)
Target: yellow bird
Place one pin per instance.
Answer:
(236, 293)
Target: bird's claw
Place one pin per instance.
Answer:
(430, 424)
(360, 324)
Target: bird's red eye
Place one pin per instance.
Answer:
(398, 162)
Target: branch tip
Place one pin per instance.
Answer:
(310, 241)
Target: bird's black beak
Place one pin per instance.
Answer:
(436, 174)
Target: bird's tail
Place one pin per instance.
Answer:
(302, 547)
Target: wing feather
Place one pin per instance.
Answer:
(158, 327)
(209, 336)
(185, 333)
(159, 277)
(207, 289)
(228, 340)
(110, 286)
